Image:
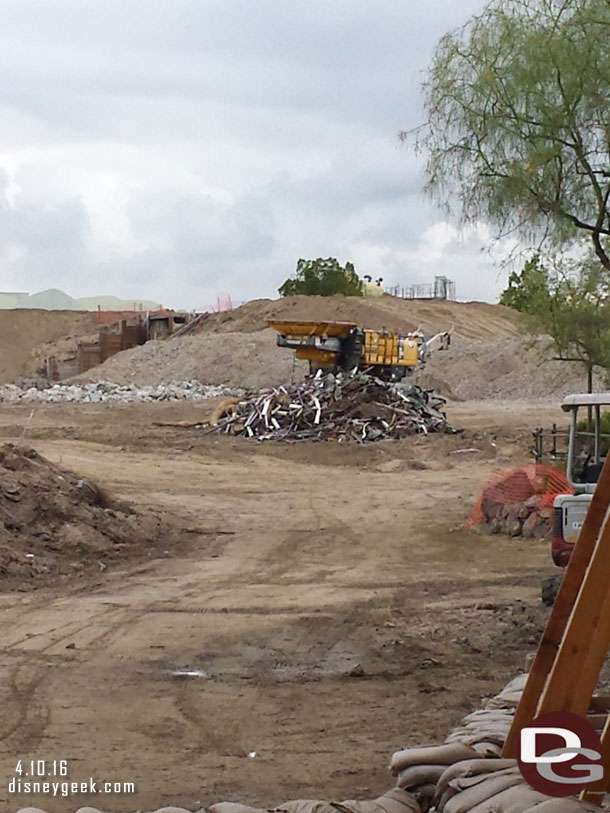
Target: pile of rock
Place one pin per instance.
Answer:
(528, 519)
(520, 502)
(108, 392)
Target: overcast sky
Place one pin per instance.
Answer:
(181, 149)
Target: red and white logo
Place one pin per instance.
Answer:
(560, 754)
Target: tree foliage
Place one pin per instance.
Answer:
(571, 304)
(518, 132)
(528, 291)
(323, 277)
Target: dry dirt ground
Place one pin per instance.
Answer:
(24, 331)
(328, 597)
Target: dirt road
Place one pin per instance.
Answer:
(329, 610)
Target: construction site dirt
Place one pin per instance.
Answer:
(315, 607)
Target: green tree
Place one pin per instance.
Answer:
(517, 130)
(323, 277)
(528, 291)
(570, 302)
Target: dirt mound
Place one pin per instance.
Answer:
(236, 348)
(23, 331)
(248, 360)
(53, 523)
(505, 368)
(502, 369)
(475, 320)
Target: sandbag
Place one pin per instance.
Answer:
(514, 800)
(305, 806)
(166, 810)
(474, 767)
(488, 715)
(394, 801)
(510, 694)
(233, 807)
(430, 755)
(38, 810)
(465, 800)
(416, 775)
(425, 796)
(488, 749)
(569, 805)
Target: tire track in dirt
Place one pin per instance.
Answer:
(24, 711)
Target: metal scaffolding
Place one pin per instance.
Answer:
(441, 288)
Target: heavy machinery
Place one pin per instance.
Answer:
(587, 451)
(344, 346)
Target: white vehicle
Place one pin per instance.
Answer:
(587, 449)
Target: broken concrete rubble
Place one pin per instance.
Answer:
(108, 392)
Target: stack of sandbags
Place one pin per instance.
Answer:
(394, 801)
(466, 775)
(495, 786)
(95, 810)
(482, 734)
(485, 730)
(418, 770)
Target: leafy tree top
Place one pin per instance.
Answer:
(323, 277)
(570, 302)
(518, 132)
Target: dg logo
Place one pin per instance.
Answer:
(560, 754)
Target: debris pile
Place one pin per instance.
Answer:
(54, 523)
(352, 406)
(107, 392)
(520, 502)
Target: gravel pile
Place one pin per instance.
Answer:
(107, 392)
(471, 369)
(504, 369)
(248, 360)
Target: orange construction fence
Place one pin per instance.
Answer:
(539, 482)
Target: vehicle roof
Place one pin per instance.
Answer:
(585, 399)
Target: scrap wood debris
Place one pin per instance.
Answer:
(354, 406)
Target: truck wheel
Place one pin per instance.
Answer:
(549, 589)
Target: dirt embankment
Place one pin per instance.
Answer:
(491, 356)
(24, 331)
(475, 320)
(499, 369)
(238, 349)
(506, 368)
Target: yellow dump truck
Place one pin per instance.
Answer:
(345, 346)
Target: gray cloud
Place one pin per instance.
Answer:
(177, 149)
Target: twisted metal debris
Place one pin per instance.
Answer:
(340, 407)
